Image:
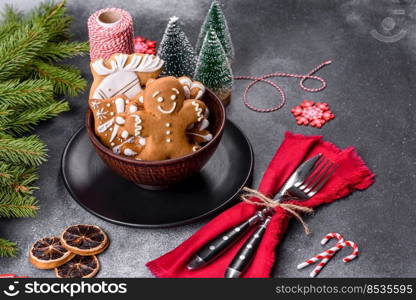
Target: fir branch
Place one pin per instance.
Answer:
(19, 48)
(17, 205)
(11, 20)
(28, 150)
(25, 119)
(66, 79)
(7, 248)
(29, 92)
(5, 113)
(24, 181)
(59, 51)
(11, 15)
(52, 17)
(17, 179)
(10, 173)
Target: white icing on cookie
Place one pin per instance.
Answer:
(114, 133)
(132, 108)
(103, 127)
(204, 124)
(129, 152)
(206, 137)
(137, 127)
(198, 110)
(175, 90)
(120, 120)
(167, 111)
(187, 92)
(116, 149)
(142, 141)
(94, 104)
(119, 105)
(125, 134)
(100, 114)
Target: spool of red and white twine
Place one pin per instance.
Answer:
(110, 31)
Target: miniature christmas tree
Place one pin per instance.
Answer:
(213, 68)
(215, 20)
(29, 82)
(177, 52)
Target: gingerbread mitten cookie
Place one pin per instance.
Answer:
(123, 74)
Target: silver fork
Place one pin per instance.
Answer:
(303, 187)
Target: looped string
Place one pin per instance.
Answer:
(265, 201)
(264, 79)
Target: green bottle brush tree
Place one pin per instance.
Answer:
(213, 68)
(30, 82)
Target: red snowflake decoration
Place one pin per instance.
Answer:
(311, 113)
(141, 45)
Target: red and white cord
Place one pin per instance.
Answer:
(264, 79)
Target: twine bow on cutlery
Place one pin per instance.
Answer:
(265, 201)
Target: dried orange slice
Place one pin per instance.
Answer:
(48, 253)
(79, 267)
(85, 239)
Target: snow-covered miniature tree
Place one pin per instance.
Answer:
(177, 52)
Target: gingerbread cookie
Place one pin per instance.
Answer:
(195, 90)
(123, 74)
(109, 120)
(164, 119)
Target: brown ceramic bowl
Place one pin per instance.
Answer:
(164, 173)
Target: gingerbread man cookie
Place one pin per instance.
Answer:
(195, 90)
(109, 120)
(123, 74)
(164, 120)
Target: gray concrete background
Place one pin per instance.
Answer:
(370, 89)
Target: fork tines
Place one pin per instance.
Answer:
(318, 176)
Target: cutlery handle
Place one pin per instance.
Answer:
(246, 253)
(220, 244)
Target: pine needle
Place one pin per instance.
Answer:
(29, 92)
(59, 51)
(29, 151)
(26, 119)
(66, 79)
(7, 248)
(17, 206)
(19, 48)
(10, 173)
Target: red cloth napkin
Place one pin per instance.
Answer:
(352, 174)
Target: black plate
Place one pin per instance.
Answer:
(103, 193)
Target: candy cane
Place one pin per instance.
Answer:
(332, 235)
(354, 251)
(325, 256)
(329, 253)
(326, 253)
